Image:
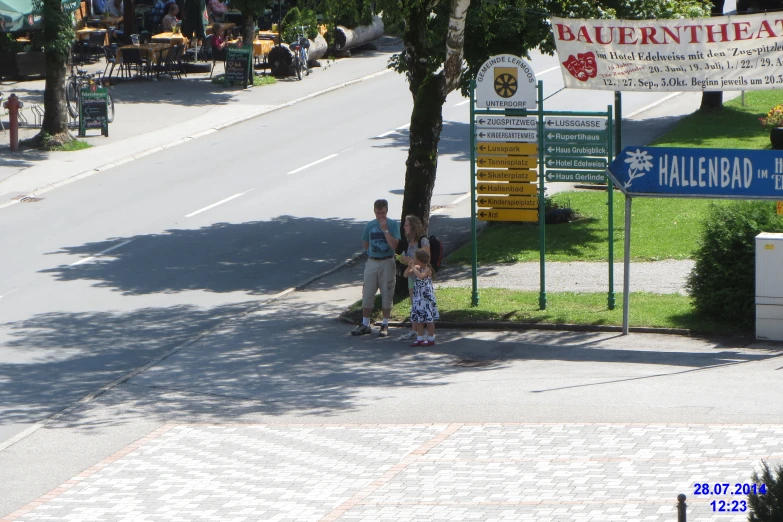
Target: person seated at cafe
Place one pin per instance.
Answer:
(158, 11)
(219, 43)
(170, 20)
(216, 10)
(98, 6)
(115, 8)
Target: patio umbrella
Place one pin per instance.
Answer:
(195, 18)
(21, 15)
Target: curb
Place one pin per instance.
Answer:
(508, 325)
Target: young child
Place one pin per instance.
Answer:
(424, 308)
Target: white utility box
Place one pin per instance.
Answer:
(769, 286)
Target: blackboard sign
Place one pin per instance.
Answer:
(239, 67)
(93, 110)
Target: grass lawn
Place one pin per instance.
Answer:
(662, 228)
(497, 304)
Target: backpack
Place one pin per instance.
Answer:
(436, 252)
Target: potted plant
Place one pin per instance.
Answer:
(774, 122)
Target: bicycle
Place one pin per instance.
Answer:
(300, 49)
(73, 86)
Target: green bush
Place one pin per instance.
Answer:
(768, 507)
(296, 18)
(722, 282)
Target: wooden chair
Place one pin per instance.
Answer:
(95, 43)
(132, 59)
(110, 52)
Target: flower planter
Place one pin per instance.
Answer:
(8, 65)
(776, 138)
(31, 64)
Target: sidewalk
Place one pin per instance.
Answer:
(154, 115)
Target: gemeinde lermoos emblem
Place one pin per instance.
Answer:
(506, 81)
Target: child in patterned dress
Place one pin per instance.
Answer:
(424, 307)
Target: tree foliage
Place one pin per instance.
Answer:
(767, 507)
(299, 17)
(722, 282)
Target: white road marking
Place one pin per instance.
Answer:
(463, 102)
(99, 254)
(9, 292)
(213, 205)
(654, 104)
(463, 197)
(393, 131)
(313, 163)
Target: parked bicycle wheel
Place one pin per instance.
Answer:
(72, 97)
(298, 67)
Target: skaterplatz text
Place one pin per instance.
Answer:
(666, 35)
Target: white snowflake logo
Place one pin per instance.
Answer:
(640, 165)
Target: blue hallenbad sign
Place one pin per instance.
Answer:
(708, 173)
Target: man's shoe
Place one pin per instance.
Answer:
(362, 329)
(417, 343)
(427, 343)
(384, 331)
(408, 336)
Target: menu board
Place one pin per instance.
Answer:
(93, 110)
(239, 67)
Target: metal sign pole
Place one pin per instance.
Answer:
(627, 263)
(541, 202)
(474, 299)
(610, 190)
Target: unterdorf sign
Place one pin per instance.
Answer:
(506, 81)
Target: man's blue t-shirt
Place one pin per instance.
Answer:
(377, 240)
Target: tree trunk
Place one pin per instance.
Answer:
(249, 33)
(55, 119)
(422, 163)
(345, 38)
(712, 100)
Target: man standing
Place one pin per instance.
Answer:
(380, 238)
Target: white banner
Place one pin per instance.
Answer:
(725, 53)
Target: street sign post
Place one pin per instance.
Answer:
(517, 189)
(507, 202)
(515, 143)
(507, 175)
(506, 162)
(508, 215)
(503, 147)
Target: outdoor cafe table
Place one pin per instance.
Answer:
(106, 22)
(152, 51)
(84, 34)
(262, 47)
(172, 38)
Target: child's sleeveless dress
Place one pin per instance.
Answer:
(424, 308)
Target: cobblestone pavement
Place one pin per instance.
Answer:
(490, 472)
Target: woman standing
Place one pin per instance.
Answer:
(417, 238)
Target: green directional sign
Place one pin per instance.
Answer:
(578, 137)
(576, 163)
(577, 150)
(575, 176)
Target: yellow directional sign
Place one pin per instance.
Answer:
(507, 175)
(514, 189)
(501, 147)
(507, 215)
(507, 202)
(506, 162)
(779, 208)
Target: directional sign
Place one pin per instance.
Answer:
(508, 215)
(507, 135)
(577, 150)
(506, 148)
(514, 189)
(576, 163)
(779, 208)
(575, 137)
(574, 176)
(713, 173)
(507, 175)
(506, 81)
(574, 123)
(507, 202)
(507, 122)
(507, 162)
